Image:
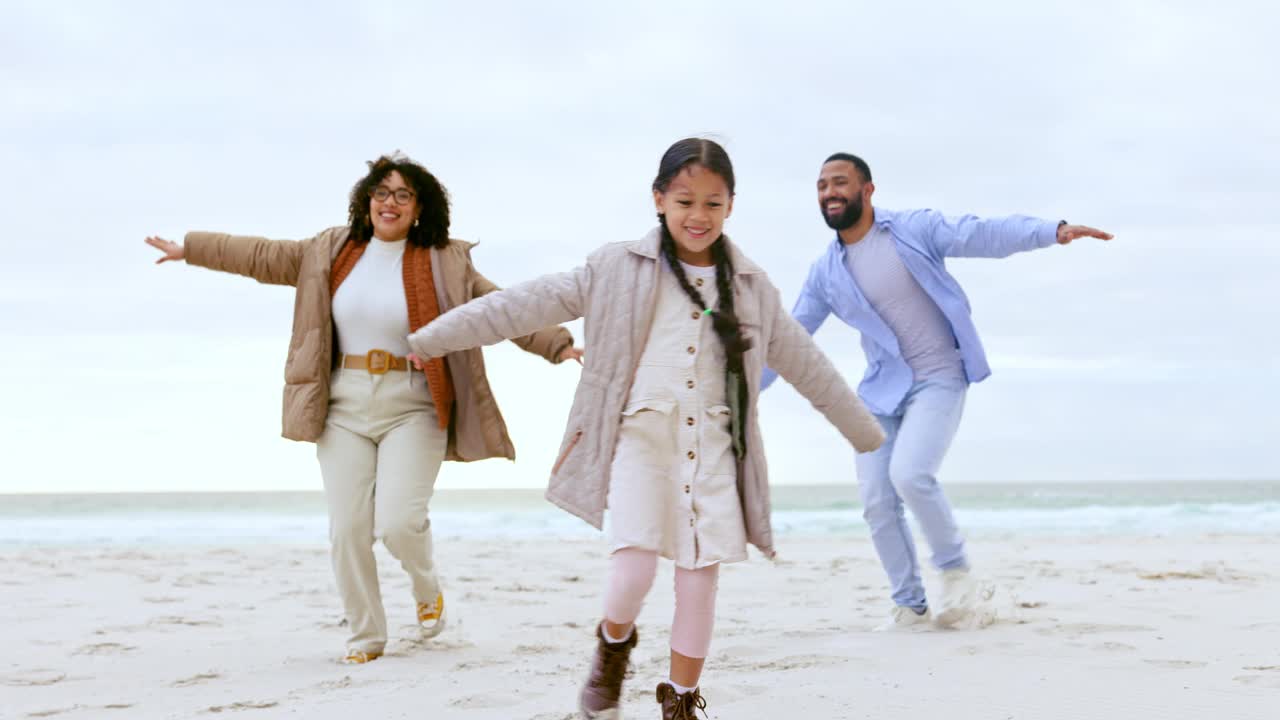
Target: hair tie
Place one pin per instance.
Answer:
(707, 311)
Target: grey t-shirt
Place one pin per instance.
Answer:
(924, 335)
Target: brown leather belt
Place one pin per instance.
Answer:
(376, 362)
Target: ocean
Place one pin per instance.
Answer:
(1142, 508)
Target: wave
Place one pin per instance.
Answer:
(240, 527)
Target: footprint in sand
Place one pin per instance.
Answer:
(33, 678)
(247, 705)
(1079, 629)
(1176, 664)
(485, 702)
(1220, 573)
(178, 620)
(107, 648)
(340, 684)
(517, 587)
(1114, 647)
(1271, 682)
(533, 650)
(525, 602)
(817, 632)
(794, 662)
(54, 711)
(411, 644)
(195, 680)
(479, 664)
(190, 581)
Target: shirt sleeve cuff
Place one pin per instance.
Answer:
(1047, 233)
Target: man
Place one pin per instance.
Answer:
(885, 275)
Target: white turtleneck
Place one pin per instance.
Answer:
(369, 308)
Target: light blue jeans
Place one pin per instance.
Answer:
(903, 471)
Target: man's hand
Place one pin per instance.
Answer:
(1067, 233)
(572, 353)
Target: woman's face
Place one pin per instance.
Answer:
(696, 204)
(393, 208)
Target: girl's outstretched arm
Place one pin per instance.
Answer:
(505, 314)
(551, 342)
(797, 358)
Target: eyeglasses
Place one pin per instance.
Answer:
(402, 196)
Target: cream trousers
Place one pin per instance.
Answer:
(379, 454)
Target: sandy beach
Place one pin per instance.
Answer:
(1132, 627)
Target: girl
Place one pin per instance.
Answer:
(663, 429)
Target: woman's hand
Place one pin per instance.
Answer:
(171, 250)
(417, 361)
(571, 353)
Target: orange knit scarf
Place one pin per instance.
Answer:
(420, 295)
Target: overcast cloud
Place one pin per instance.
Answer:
(1151, 357)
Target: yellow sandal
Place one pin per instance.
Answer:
(360, 657)
(431, 617)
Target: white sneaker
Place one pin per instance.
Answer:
(959, 595)
(904, 618)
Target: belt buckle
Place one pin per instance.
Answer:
(378, 362)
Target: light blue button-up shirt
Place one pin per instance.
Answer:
(924, 239)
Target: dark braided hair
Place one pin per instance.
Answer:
(710, 155)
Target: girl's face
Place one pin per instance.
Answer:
(393, 206)
(696, 204)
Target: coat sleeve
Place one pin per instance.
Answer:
(504, 314)
(274, 262)
(811, 310)
(548, 342)
(797, 358)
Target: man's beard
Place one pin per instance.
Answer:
(849, 217)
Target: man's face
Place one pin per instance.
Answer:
(841, 193)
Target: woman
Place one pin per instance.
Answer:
(381, 427)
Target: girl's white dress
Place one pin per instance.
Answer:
(674, 485)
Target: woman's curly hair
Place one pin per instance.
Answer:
(432, 228)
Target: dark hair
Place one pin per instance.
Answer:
(432, 226)
(863, 169)
(710, 155)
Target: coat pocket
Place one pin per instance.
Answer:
(646, 435)
(659, 405)
(568, 448)
(305, 362)
(717, 441)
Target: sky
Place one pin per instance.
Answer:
(1153, 357)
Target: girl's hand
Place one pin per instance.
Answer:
(171, 250)
(417, 361)
(572, 353)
